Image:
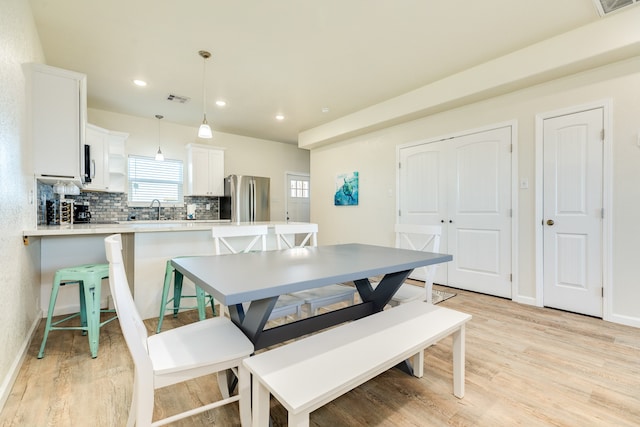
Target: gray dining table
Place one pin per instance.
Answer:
(259, 278)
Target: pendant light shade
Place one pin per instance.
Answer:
(205, 130)
(159, 155)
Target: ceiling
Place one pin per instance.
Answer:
(289, 57)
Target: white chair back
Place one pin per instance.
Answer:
(420, 238)
(133, 328)
(220, 234)
(310, 231)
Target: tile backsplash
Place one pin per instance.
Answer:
(109, 207)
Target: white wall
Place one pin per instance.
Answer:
(243, 155)
(374, 156)
(19, 306)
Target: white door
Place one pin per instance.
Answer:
(572, 213)
(464, 184)
(298, 193)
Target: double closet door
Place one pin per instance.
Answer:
(464, 185)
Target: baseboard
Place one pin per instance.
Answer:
(12, 374)
(525, 300)
(625, 320)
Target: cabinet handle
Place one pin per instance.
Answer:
(93, 168)
(450, 221)
(550, 222)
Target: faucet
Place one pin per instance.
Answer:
(151, 205)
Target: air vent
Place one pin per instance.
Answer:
(177, 98)
(607, 6)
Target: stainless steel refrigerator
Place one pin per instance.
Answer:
(248, 197)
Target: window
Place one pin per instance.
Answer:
(299, 189)
(150, 179)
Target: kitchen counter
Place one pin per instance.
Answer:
(147, 245)
(121, 227)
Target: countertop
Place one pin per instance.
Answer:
(130, 227)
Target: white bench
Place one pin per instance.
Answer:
(307, 374)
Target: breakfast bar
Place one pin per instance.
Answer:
(147, 245)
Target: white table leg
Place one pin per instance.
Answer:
(260, 404)
(458, 363)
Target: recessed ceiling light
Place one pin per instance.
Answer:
(325, 109)
(279, 117)
(221, 103)
(140, 83)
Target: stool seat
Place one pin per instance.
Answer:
(89, 278)
(201, 297)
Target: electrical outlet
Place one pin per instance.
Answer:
(208, 206)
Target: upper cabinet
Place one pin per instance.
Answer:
(205, 170)
(105, 150)
(117, 161)
(96, 149)
(58, 116)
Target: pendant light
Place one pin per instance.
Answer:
(205, 129)
(159, 155)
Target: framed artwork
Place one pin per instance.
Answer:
(346, 190)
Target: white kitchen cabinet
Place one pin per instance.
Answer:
(205, 170)
(117, 161)
(58, 116)
(96, 139)
(107, 159)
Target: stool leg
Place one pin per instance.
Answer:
(83, 309)
(52, 305)
(92, 303)
(168, 272)
(177, 291)
(201, 303)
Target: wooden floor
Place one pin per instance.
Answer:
(525, 366)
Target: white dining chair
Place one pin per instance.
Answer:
(243, 238)
(210, 346)
(306, 235)
(418, 238)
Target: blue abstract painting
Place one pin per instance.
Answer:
(346, 190)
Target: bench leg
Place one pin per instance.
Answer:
(260, 401)
(299, 420)
(417, 360)
(244, 391)
(458, 363)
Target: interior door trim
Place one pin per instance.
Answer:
(607, 182)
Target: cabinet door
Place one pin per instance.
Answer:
(205, 171)
(198, 172)
(96, 139)
(58, 111)
(216, 172)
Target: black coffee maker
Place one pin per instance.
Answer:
(81, 213)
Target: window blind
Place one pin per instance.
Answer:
(151, 179)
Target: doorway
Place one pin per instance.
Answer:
(572, 148)
(298, 196)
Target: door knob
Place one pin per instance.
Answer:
(550, 222)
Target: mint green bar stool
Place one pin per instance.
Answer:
(201, 297)
(89, 279)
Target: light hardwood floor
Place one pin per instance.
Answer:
(525, 366)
